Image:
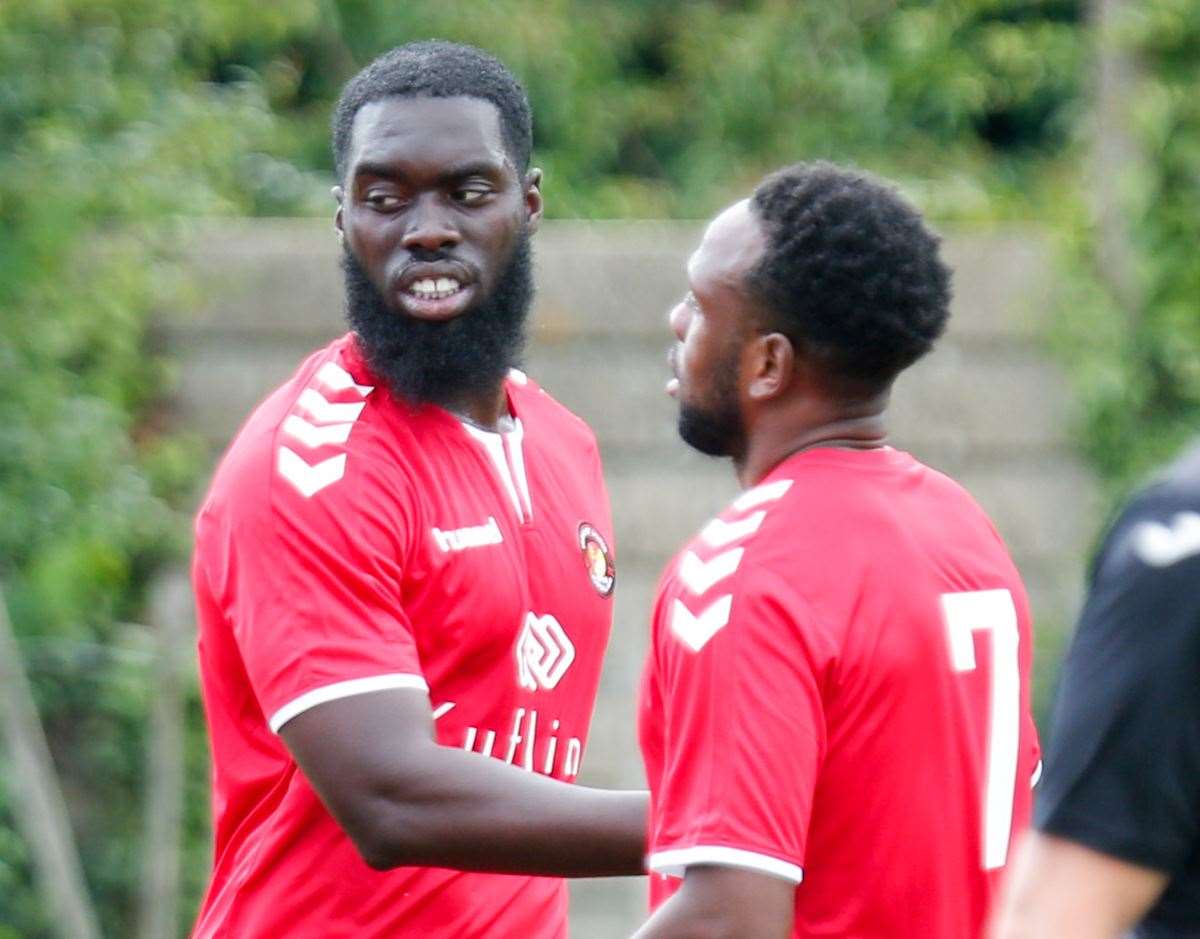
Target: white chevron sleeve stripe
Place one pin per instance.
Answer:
(310, 479)
(719, 533)
(324, 411)
(312, 435)
(332, 375)
(699, 576)
(695, 631)
(759, 495)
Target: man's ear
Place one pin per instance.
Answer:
(533, 198)
(773, 363)
(339, 194)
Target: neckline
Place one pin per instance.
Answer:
(882, 457)
(356, 362)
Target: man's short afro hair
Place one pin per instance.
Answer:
(437, 69)
(850, 271)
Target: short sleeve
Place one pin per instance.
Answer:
(1124, 754)
(744, 733)
(310, 588)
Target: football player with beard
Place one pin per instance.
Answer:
(404, 565)
(834, 711)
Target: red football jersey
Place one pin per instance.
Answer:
(350, 543)
(837, 692)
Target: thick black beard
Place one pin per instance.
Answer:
(716, 428)
(442, 363)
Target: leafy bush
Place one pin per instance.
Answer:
(105, 136)
(119, 119)
(1137, 364)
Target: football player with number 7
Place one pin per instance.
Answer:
(835, 708)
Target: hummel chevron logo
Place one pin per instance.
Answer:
(307, 479)
(753, 498)
(695, 631)
(332, 375)
(698, 576)
(718, 533)
(323, 411)
(312, 435)
(1162, 546)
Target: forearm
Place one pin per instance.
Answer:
(455, 809)
(1062, 890)
(677, 921)
(405, 800)
(724, 903)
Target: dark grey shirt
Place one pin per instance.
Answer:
(1123, 765)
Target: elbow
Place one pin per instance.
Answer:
(395, 818)
(378, 857)
(389, 839)
(387, 828)
(378, 853)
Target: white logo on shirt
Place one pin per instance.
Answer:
(695, 631)
(761, 495)
(1162, 546)
(318, 422)
(309, 478)
(544, 653)
(697, 577)
(475, 536)
(531, 745)
(719, 533)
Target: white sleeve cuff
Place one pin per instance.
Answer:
(343, 689)
(675, 862)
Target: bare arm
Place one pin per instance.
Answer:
(724, 903)
(1062, 890)
(405, 800)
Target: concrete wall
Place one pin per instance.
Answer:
(987, 407)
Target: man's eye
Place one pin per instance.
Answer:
(382, 200)
(471, 196)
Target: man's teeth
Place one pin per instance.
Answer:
(428, 288)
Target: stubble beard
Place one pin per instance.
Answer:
(443, 363)
(715, 427)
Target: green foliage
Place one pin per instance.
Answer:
(1137, 365)
(121, 118)
(106, 134)
(669, 109)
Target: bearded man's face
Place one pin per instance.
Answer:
(437, 223)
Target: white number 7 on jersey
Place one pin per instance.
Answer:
(992, 611)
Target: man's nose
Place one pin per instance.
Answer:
(429, 226)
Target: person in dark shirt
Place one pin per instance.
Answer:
(1116, 844)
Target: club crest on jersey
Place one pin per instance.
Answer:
(597, 559)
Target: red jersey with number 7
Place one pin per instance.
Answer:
(837, 694)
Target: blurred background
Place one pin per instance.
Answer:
(166, 254)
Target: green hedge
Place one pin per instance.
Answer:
(107, 135)
(119, 119)
(1137, 369)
